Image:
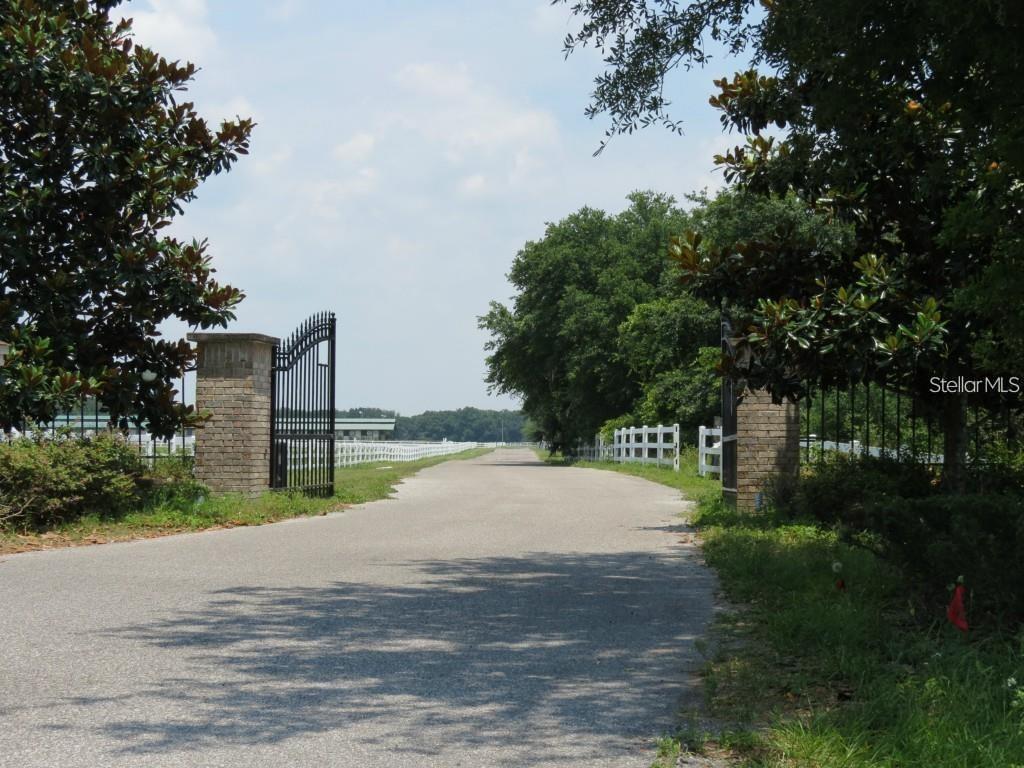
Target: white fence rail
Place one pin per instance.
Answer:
(349, 452)
(647, 445)
(709, 451)
(149, 447)
(641, 445)
(813, 445)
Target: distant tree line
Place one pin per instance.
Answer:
(465, 424)
(367, 413)
(462, 425)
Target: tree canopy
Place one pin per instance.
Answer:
(98, 152)
(598, 317)
(903, 122)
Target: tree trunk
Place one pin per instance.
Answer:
(954, 427)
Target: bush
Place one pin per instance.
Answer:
(844, 490)
(48, 481)
(896, 510)
(1001, 470)
(980, 537)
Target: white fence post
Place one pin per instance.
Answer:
(675, 443)
(707, 452)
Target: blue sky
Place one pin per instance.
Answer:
(405, 151)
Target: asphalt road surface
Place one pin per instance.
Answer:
(497, 612)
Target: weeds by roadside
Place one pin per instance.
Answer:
(849, 677)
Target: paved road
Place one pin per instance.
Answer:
(498, 612)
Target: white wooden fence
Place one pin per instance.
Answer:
(349, 452)
(642, 445)
(709, 451)
(647, 445)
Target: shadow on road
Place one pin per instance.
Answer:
(511, 650)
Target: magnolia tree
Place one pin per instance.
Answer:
(903, 122)
(98, 152)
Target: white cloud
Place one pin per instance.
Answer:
(436, 80)
(465, 114)
(264, 164)
(284, 10)
(355, 149)
(327, 197)
(525, 168)
(474, 185)
(176, 29)
(551, 20)
(230, 109)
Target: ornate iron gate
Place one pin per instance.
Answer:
(302, 409)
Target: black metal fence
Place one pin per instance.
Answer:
(871, 420)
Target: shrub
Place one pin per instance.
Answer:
(843, 490)
(897, 510)
(48, 481)
(1001, 470)
(980, 537)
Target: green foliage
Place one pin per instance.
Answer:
(665, 334)
(607, 431)
(662, 344)
(689, 395)
(894, 509)
(463, 425)
(98, 152)
(598, 314)
(169, 482)
(846, 490)
(51, 481)
(831, 677)
(900, 122)
(1002, 470)
(980, 537)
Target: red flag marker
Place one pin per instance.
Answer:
(955, 610)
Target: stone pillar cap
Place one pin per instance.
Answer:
(228, 336)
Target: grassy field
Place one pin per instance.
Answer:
(185, 512)
(802, 673)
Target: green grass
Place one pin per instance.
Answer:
(803, 674)
(183, 511)
(692, 485)
(816, 676)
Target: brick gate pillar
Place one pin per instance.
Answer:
(233, 377)
(767, 444)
